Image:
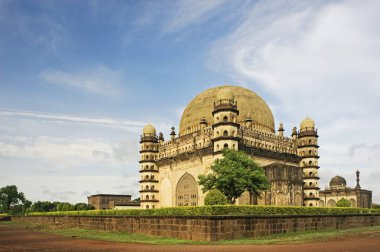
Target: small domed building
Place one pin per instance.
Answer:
(229, 117)
(338, 189)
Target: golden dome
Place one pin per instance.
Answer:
(225, 94)
(203, 105)
(149, 130)
(307, 123)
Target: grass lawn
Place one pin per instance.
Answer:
(304, 237)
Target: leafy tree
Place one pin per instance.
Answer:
(233, 174)
(83, 206)
(374, 205)
(136, 200)
(343, 203)
(10, 197)
(44, 206)
(215, 197)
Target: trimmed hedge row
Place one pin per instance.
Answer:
(219, 210)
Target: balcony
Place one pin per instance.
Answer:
(148, 181)
(149, 190)
(148, 170)
(149, 200)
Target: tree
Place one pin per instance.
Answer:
(44, 206)
(233, 174)
(374, 205)
(83, 206)
(215, 197)
(10, 197)
(343, 203)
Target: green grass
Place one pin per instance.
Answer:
(288, 238)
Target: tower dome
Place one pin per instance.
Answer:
(307, 123)
(337, 182)
(149, 130)
(247, 102)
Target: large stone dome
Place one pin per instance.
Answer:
(247, 102)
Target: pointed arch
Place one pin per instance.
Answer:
(166, 193)
(187, 191)
(331, 203)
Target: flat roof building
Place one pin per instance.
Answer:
(108, 201)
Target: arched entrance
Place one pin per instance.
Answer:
(281, 199)
(187, 191)
(353, 202)
(321, 203)
(166, 193)
(298, 200)
(331, 203)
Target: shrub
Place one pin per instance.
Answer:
(343, 203)
(230, 210)
(215, 197)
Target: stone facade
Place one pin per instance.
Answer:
(108, 201)
(236, 118)
(209, 228)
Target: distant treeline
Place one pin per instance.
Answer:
(47, 206)
(13, 202)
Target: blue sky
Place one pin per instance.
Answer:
(79, 79)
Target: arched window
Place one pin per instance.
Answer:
(152, 187)
(152, 177)
(311, 204)
(310, 162)
(153, 206)
(147, 206)
(309, 152)
(152, 196)
(225, 133)
(146, 177)
(233, 146)
(147, 187)
(217, 147)
(217, 133)
(225, 119)
(310, 174)
(152, 167)
(217, 119)
(147, 167)
(147, 197)
(309, 141)
(225, 145)
(310, 184)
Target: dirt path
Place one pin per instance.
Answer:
(13, 238)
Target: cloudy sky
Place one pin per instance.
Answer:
(79, 79)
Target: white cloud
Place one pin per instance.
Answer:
(320, 59)
(191, 12)
(98, 121)
(99, 80)
(67, 154)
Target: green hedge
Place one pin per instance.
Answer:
(219, 210)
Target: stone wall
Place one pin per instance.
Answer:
(206, 228)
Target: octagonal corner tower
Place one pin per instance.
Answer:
(249, 104)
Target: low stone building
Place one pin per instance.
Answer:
(108, 201)
(338, 189)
